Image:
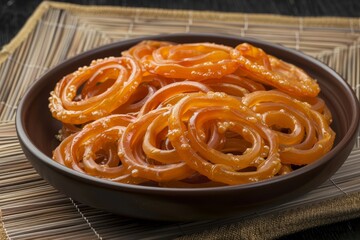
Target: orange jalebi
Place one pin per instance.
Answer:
(259, 66)
(233, 85)
(155, 167)
(304, 134)
(104, 86)
(167, 94)
(144, 48)
(195, 61)
(148, 87)
(93, 150)
(190, 115)
(188, 138)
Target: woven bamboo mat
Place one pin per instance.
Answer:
(32, 209)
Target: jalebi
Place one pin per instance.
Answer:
(190, 115)
(304, 134)
(195, 61)
(95, 91)
(259, 66)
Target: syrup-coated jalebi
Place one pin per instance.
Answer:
(170, 94)
(94, 150)
(95, 91)
(233, 85)
(144, 48)
(162, 164)
(259, 66)
(193, 61)
(188, 137)
(304, 133)
(190, 115)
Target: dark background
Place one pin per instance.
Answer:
(13, 14)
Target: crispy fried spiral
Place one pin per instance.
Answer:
(260, 160)
(267, 69)
(190, 115)
(304, 134)
(193, 61)
(93, 150)
(145, 48)
(104, 86)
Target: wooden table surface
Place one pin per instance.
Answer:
(13, 14)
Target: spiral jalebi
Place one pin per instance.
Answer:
(190, 115)
(196, 61)
(304, 134)
(259, 66)
(95, 91)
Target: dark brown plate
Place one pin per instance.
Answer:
(36, 130)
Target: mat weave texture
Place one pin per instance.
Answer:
(32, 209)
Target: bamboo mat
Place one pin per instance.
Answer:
(32, 209)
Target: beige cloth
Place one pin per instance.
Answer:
(275, 225)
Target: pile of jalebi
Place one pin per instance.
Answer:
(190, 115)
